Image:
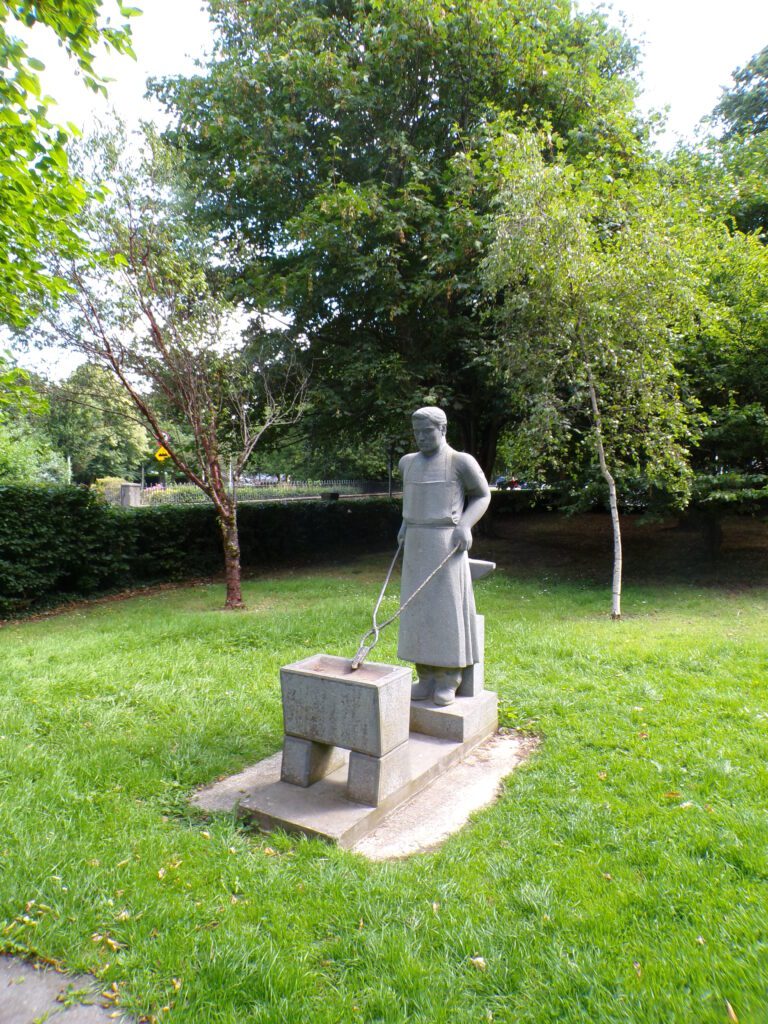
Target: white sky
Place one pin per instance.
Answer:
(690, 49)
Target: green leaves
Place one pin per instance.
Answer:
(16, 393)
(38, 195)
(327, 140)
(594, 285)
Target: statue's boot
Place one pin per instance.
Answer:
(424, 686)
(446, 685)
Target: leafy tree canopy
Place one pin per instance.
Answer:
(743, 109)
(595, 286)
(38, 194)
(92, 421)
(16, 391)
(323, 142)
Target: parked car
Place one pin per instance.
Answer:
(506, 483)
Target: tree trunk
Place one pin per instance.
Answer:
(612, 501)
(231, 542)
(480, 440)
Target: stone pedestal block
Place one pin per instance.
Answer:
(372, 779)
(305, 762)
(473, 676)
(365, 710)
(130, 495)
(461, 721)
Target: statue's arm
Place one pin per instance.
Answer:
(478, 498)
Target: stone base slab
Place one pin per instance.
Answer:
(324, 810)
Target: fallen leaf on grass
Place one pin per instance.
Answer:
(701, 940)
(731, 1013)
(602, 776)
(478, 962)
(673, 794)
(638, 968)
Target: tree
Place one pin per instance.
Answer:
(142, 307)
(726, 358)
(26, 455)
(742, 150)
(743, 109)
(16, 392)
(593, 283)
(321, 142)
(93, 422)
(38, 195)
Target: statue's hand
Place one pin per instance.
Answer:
(401, 535)
(462, 536)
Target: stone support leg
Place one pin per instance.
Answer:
(373, 779)
(305, 761)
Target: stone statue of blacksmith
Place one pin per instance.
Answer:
(444, 494)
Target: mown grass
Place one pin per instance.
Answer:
(621, 877)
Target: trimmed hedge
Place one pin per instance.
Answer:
(63, 542)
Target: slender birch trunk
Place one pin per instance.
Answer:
(612, 500)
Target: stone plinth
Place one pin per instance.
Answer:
(463, 721)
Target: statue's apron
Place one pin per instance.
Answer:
(439, 626)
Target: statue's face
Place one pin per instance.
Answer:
(429, 436)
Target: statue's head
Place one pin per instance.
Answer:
(429, 427)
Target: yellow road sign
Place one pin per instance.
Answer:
(162, 454)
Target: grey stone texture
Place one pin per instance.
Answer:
(473, 676)
(444, 494)
(345, 805)
(29, 994)
(372, 779)
(365, 710)
(305, 762)
(130, 495)
(467, 720)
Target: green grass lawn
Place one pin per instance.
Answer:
(621, 877)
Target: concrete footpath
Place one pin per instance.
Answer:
(31, 995)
